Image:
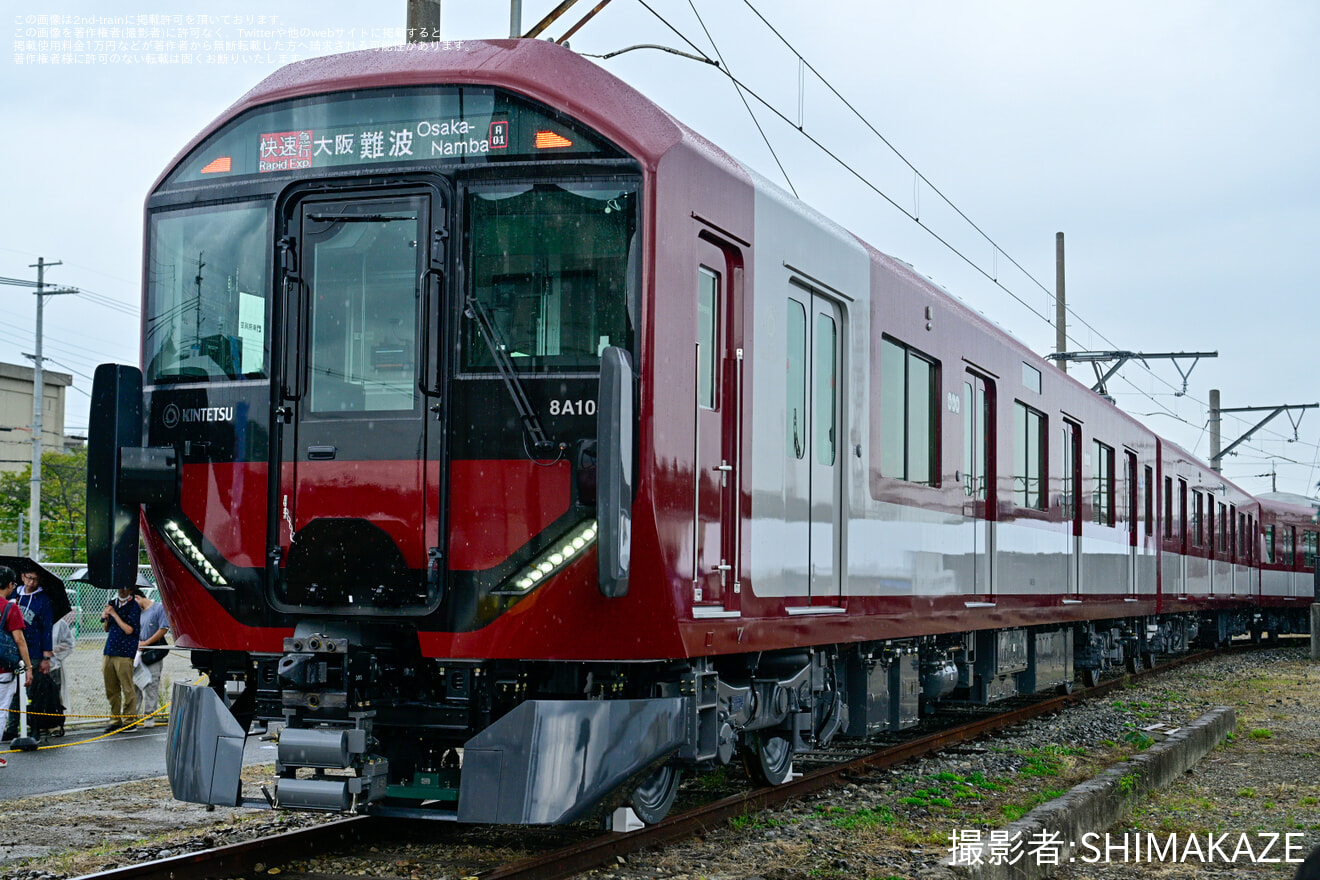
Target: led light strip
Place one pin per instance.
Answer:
(190, 550)
(560, 554)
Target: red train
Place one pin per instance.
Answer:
(520, 451)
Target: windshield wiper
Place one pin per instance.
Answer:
(476, 312)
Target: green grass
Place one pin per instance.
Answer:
(864, 819)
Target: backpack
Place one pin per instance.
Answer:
(45, 711)
(10, 659)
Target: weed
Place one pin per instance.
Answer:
(749, 821)
(864, 818)
(1262, 733)
(1139, 739)
(1246, 792)
(1013, 812)
(1038, 766)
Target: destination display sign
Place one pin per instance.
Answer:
(404, 142)
(382, 126)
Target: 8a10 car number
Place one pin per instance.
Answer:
(569, 407)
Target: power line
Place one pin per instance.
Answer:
(992, 277)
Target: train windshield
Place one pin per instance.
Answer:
(552, 264)
(207, 285)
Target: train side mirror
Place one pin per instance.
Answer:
(121, 475)
(614, 471)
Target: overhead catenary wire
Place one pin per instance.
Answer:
(743, 98)
(992, 276)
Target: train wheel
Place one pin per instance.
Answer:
(1133, 663)
(1090, 677)
(652, 799)
(770, 759)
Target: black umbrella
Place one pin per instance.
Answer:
(53, 586)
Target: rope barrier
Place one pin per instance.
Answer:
(129, 726)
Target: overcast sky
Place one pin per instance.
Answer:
(1174, 143)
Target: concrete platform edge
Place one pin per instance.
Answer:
(1095, 805)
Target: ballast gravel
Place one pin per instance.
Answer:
(896, 823)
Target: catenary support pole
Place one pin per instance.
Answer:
(1060, 304)
(1216, 438)
(423, 21)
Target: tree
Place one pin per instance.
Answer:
(63, 504)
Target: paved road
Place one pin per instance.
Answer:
(134, 754)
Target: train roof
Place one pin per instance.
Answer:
(537, 69)
(1288, 502)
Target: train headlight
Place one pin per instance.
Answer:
(551, 560)
(191, 552)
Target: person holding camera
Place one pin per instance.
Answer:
(121, 616)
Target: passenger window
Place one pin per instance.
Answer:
(1269, 545)
(797, 379)
(826, 409)
(1286, 534)
(1168, 508)
(1149, 486)
(708, 286)
(1029, 473)
(1308, 549)
(1182, 513)
(1071, 434)
(1102, 500)
(907, 414)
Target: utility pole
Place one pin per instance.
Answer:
(423, 21)
(515, 19)
(1216, 428)
(38, 405)
(1060, 304)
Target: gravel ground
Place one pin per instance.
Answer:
(894, 824)
(897, 824)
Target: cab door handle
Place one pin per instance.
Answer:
(320, 453)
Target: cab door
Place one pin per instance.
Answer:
(717, 404)
(355, 526)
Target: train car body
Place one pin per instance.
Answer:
(1289, 538)
(519, 450)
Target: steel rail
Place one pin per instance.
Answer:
(238, 858)
(234, 859)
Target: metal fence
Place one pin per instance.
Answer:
(83, 667)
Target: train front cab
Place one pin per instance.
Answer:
(389, 390)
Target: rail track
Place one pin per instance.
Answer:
(349, 835)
